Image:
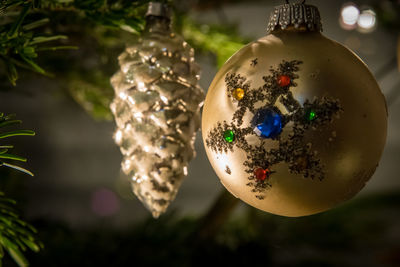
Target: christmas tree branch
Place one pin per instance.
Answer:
(212, 38)
(16, 236)
(25, 32)
(19, 43)
(19, 39)
(23, 20)
(6, 121)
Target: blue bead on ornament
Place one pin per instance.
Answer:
(267, 123)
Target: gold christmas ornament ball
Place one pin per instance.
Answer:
(309, 127)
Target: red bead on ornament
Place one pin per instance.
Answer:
(261, 174)
(283, 80)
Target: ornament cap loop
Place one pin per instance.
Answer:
(297, 15)
(158, 9)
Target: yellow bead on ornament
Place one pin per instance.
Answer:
(305, 119)
(238, 94)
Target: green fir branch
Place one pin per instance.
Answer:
(15, 167)
(223, 41)
(16, 235)
(18, 41)
(118, 14)
(16, 133)
(20, 44)
(6, 121)
(89, 21)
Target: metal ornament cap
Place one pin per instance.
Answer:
(158, 9)
(297, 15)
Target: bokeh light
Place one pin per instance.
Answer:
(349, 15)
(104, 202)
(352, 17)
(367, 20)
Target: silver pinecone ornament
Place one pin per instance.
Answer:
(157, 110)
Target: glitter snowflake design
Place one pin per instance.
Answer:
(297, 119)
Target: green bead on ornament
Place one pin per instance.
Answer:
(311, 115)
(229, 136)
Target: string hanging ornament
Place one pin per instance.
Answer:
(157, 110)
(294, 123)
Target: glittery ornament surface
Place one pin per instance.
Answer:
(157, 111)
(268, 123)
